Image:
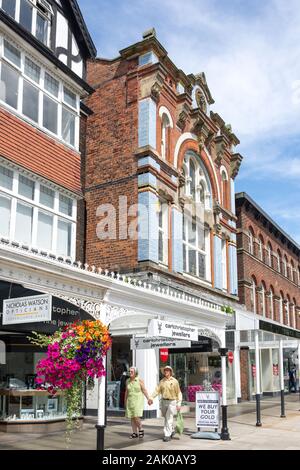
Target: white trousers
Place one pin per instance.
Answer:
(168, 410)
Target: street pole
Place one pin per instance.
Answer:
(258, 387)
(224, 430)
(281, 379)
(101, 420)
(299, 369)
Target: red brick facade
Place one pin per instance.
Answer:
(113, 152)
(29, 147)
(258, 262)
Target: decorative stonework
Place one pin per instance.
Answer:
(157, 87)
(210, 333)
(235, 164)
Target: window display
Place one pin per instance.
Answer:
(30, 405)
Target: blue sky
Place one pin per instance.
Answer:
(250, 53)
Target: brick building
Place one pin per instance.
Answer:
(269, 287)
(159, 176)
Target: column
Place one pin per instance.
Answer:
(148, 368)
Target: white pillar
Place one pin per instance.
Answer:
(257, 363)
(281, 375)
(101, 400)
(224, 381)
(147, 365)
(237, 365)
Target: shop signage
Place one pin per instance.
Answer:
(275, 369)
(157, 343)
(172, 330)
(230, 357)
(207, 409)
(253, 368)
(164, 354)
(36, 308)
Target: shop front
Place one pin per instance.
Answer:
(21, 403)
(270, 337)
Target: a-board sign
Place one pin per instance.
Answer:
(207, 409)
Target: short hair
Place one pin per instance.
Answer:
(136, 372)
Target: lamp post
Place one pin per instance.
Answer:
(282, 415)
(101, 419)
(224, 430)
(299, 369)
(258, 388)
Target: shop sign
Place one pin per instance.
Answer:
(275, 369)
(36, 308)
(164, 354)
(172, 330)
(157, 343)
(207, 409)
(253, 369)
(230, 357)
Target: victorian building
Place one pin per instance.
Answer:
(159, 190)
(269, 288)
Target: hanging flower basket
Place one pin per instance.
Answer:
(75, 356)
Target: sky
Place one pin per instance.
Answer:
(249, 51)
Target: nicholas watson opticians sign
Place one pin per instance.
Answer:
(36, 308)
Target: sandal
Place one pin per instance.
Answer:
(141, 433)
(133, 435)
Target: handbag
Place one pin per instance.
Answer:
(179, 423)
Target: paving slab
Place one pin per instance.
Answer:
(276, 433)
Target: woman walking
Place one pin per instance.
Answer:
(134, 402)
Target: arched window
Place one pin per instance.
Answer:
(202, 193)
(192, 179)
(269, 254)
(287, 310)
(281, 300)
(285, 266)
(253, 296)
(251, 241)
(262, 292)
(279, 261)
(196, 240)
(293, 271)
(165, 136)
(298, 275)
(224, 189)
(197, 185)
(261, 248)
(293, 314)
(271, 303)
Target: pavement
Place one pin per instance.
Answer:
(275, 434)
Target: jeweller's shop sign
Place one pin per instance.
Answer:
(36, 308)
(169, 329)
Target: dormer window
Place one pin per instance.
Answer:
(34, 15)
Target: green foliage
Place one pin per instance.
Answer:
(40, 340)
